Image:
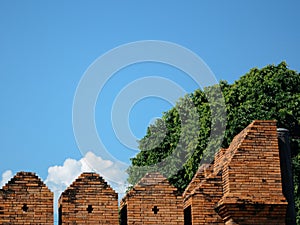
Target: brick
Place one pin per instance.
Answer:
(25, 199)
(89, 200)
(152, 201)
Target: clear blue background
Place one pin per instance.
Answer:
(46, 46)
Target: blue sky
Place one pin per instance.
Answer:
(46, 47)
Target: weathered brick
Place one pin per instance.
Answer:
(244, 186)
(89, 200)
(152, 201)
(25, 199)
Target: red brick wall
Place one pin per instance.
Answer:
(243, 184)
(153, 192)
(251, 177)
(202, 194)
(26, 200)
(89, 200)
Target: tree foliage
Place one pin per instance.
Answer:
(272, 92)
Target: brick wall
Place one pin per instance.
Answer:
(88, 200)
(26, 200)
(201, 196)
(252, 188)
(242, 186)
(152, 201)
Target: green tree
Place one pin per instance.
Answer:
(272, 92)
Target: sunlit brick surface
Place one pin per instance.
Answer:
(26, 200)
(243, 184)
(153, 201)
(89, 200)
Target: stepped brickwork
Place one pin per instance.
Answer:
(89, 200)
(243, 184)
(152, 201)
(201, 196)
(25, 199)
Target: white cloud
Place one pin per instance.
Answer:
(6, 176)
(60, 177)
(113, 172)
